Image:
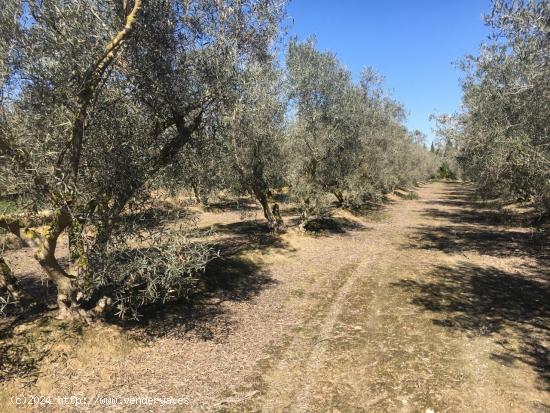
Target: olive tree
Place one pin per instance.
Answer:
(64, 55)
(255, 128)
(241, 149)
(108, 94)
(502, 135)
(323, 142)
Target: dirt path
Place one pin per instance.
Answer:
(433, 316)
(436, 306)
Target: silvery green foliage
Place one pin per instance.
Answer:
(346, 139)
(165, 269)
(503, 134)
(9, 30)
(239, 146)
(321, 133)
(9, 16)
(255, 128)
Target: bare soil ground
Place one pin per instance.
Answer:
(434, 304)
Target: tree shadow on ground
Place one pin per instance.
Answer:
(485, 241)
(488, 301)
(514, 307)
(156, 216)
(16, 361)
(241, 204)
(27, 340)
(260, 235)
(328, 225)
(470, 226)
(372, 211)
(482, 209)
(466, 215)
(17, 358)
(229, 277)
(333, 225)
(252, 227)
(204, 316)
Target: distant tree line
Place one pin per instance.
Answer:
(104, 101)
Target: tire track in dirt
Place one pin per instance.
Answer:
(319, 349)
(385, 238)
(373, 346)
(290, 386)
(301, 351)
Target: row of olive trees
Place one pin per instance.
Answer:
(103, 100)
(346, 139)
(502, 138)
(311, 129)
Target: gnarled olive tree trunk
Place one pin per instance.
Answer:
(271, 213)
(44, 242)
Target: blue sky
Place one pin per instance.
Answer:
(412, 43)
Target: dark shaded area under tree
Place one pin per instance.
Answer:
(484, 300)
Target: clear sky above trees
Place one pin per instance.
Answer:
(412, 43)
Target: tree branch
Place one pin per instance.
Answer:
(89, 87)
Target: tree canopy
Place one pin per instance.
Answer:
(501, 138)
